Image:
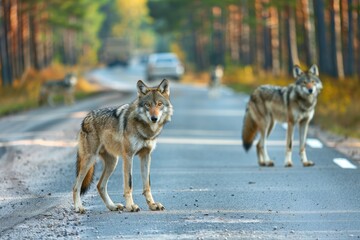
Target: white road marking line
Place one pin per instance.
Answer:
(314, 143)
(211, 141)
(35, 133)
(199, 141)
(211, 112)
(344, 163)
(195, 132)
(222, 220)
(162, 140)
(40, 142)
(72, 115)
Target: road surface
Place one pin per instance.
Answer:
(211, 188)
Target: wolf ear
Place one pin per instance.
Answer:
(164, 87)
(297, 71)
(314, 70)
(142, 88)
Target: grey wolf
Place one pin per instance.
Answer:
(64, 87)
(125, 131)
(216, 75)
(294, 104)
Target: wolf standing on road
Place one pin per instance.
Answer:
(293, 104)
(125, 131)
(64, 87)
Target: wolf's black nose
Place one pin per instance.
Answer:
(310, 90)
(154, 119)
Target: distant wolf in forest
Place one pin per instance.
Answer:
(64, 87)
(126, 131)
(294, 104)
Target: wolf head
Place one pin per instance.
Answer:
(308, 82)
(71, 79)
(154, 102)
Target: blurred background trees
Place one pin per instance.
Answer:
(266, 35)
(35, 33)
(270, 35)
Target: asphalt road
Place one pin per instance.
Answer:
(211, 188)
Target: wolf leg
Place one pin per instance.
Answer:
(127, 172)
(289, 143)
(303, 127)
(145, 174)
(50, 100)
(110, 163)
(263, 156)
(85, 166)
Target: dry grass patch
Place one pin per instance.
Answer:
(24, 94)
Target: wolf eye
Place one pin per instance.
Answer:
(159, 104)
(147, 105)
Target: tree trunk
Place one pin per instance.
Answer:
(350, 58)
(358, 39)
(259, 36)
(25, 37)
(14, 39)
(6, 68)
(245, 56)
(35, 50)
(217, 38)
(336, 38)
(291, 27)
(323, 60)
(234, 23)
(284, 55)
(275, 52)
(310, 43)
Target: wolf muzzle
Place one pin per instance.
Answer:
(154, 119)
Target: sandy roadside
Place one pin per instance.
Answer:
(346, 145)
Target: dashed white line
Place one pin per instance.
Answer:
(314, 143)
(39, 142)
(211, 112)
(344, 163)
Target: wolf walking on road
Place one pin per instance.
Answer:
(125, 131)
(294, 104)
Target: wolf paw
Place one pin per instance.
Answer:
(269, 163)
(116, 207)
(262, 164)
(80, 210)
(266, 164)
(133, 208)
(156, 206)
(308, 164)
(288, 164)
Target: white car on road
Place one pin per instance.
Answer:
(164, 65)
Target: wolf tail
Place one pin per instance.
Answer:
(249, 130)
(89, 175)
